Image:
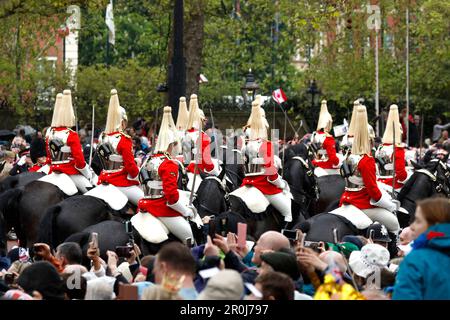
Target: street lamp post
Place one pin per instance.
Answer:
(177, 69)
(313, 90)
(249, 88)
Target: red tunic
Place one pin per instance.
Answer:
(400, 168)
(261, 182)
(35, 168)
(130, 168)
(76, 154)
(330, 146)
(361, 199)
(168, 172)
(205, 162)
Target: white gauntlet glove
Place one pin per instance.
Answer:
(86, 172)
(385, 202)
(280, 183)
(186, 211)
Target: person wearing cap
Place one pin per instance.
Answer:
(323, 143)
(38, 153)
(378, 234)
(159, 177)
(116, 153)
(225, 285)
(261, 167)
(368, 263)
(204, 162)
(387, 152)
(359, 171)
(64, 151)
(281, 261)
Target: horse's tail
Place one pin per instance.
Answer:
(47, 227)
(8, 204)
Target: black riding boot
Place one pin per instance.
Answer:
(392, 246)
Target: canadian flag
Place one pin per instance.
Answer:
(279, 96)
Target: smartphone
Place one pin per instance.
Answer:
(189, 242)
(143, 270)
(211, 228)
(313, 245)
(335, 235)
(123, 251)
(128, 292)
(242, 235)
(9, 278)
(301, 239)
(94, 239)
(290, 234)
(224, 227)
(128, 227)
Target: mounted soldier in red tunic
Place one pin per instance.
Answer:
(361, 190)
(64, 152)
(392, 159)
(261, 168)
(115, 150)
(326, 160)
(163, 208)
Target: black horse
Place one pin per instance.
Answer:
(428, 181)
(19, 180)
(110, 235)
(211, 195)
(24, 208)
(298, 172)
(72, 215)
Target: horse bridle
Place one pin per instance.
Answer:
(309, 172)
(438, 186)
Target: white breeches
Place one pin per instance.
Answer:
(133, 193)
(385, 217)
(282, 203)
(179, 227)
(80, 182)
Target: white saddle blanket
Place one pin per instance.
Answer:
(319, 172)
(357, 217)
(190, 183)
(254, 199)
(62, 181)
(149, 227)
(110, 194)
(45, 169)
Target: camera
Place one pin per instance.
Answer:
(313, 245)
(128, 227)
(124, 251)
(9, 278)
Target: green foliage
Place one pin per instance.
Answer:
(135, 85)
(344, 67)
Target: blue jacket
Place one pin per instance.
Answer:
(424, 274)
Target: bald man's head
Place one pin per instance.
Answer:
(270, 240)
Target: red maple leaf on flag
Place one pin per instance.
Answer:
(279, 96)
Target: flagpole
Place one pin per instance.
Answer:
(407, 74)
(284, 138)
